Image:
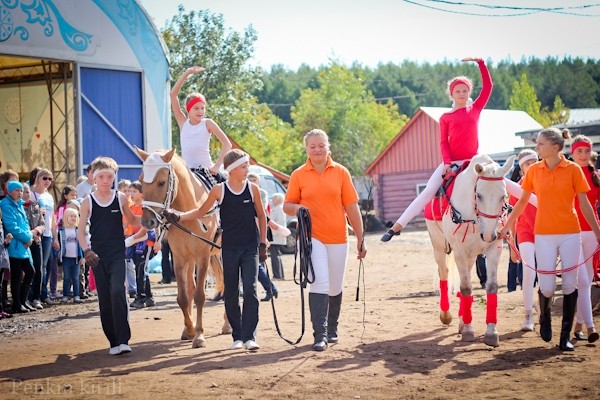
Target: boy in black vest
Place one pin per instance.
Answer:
(105, 208)
(244, 244)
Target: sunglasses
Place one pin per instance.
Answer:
(47, 178)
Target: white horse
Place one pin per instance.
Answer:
(469, 227)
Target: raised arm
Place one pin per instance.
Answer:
(486, 79)
(180, 117)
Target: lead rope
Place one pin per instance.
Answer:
(306, 273)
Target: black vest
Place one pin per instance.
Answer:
(238, 219)
(106, 229)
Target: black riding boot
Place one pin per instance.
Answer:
(545, 317)
(569, 306)
(335, 304)
(318, 304)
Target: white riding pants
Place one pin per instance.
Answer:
(584, 279)
(527, 250)
(547, 249)
(329, 264)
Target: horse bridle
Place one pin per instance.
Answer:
(479, 213)
(169, 197)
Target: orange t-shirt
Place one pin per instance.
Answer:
(556, 191)
(131, 229)
(326, 195)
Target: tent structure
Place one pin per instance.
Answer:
(80, 79)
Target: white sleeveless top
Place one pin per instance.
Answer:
(195, 140)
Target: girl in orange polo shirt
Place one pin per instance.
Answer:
(556, 182)
(581, 153)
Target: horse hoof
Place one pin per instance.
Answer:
(467, 334)
(445, 317)
(199, 342)
(492, 340)
(226, 330)
(186, 336)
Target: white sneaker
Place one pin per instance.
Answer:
(38, 304)
(114, 351)
(251, 345)
(528, 322)
(238, 344)
(77, 299)
(124, 348)
(64, 299)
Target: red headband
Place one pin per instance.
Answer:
(193, 101)
(577, 145)
(458, 82)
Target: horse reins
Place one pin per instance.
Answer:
(305, 270)
(169, 197)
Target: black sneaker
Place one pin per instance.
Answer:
(150, 302)
(138, 303)
(389, 234)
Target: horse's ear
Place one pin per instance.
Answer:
(141, 153)
(168, 156)
(508, 165)
(478, 169)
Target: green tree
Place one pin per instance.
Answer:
(524, 98)
(358, 127)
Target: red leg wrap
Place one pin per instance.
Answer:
(444, 300)
(467, 314)
(491, 316)
(460, 304)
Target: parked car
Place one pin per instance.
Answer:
(269, 183)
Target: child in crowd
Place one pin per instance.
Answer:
(195, 131)
(8, 175)
(72, 255)
(15, 222)
(4, 261)
(243, 244)
(141, 241)
(104, 208)
(68, 193)
(279, 235)
(37, 226)
(130, 276)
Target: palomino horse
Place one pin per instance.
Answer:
(469, 227)
(168, 183)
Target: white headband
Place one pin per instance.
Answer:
(101, 170)
(237, 163)
(527, 158)
(151, 165)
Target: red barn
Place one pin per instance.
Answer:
(402, 169)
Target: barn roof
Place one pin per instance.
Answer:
(497, 130)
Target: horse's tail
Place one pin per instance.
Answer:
(215, 268)
(453, 276)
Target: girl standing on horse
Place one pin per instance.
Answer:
(556, 182)
(525, 238)
(581, 153)
(195, 131)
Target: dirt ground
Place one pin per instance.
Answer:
(392, 346)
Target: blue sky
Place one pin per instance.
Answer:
(375, 31)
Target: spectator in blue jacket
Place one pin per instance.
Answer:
(15, 222)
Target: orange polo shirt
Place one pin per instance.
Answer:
(556, 191)
(326, 195)
(133, 229)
